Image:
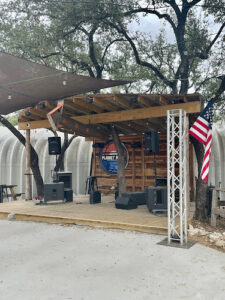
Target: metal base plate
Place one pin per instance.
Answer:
(177, 244)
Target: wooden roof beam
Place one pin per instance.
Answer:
(82, 103)
(101, 130)
(104, 104)
(137, 114)
(75, 108)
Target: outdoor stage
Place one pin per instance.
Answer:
(80, 212)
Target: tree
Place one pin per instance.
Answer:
(96, 36)
(34, 157)
(194, 47)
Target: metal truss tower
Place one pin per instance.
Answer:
(177, 175)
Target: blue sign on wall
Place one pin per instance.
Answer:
(109, 158)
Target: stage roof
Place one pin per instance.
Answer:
(92, 116)
(24, 83)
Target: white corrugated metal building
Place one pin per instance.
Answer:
(13, 156)
(78, 159)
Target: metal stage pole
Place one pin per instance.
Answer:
(28, 195)
(177, 175)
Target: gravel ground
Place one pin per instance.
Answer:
(43, 261)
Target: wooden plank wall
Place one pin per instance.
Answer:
(140, 169)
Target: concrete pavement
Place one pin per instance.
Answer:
(49, 261)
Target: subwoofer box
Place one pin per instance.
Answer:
(125, 202)
(53, 191)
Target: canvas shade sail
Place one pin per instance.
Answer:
(24, 83)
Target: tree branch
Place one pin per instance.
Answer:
(154, 12)
(221, 88)
(49, 55)
(137, 58)
(204, 55)
(108, 46)
(83, 65)
(215, 38)
(92, 54)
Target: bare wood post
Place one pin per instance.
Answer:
(28, 175)
(214, 206)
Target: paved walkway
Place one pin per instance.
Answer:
(49, 261)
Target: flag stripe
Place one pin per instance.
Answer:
(198, 128)
(203, 122)
(202, 131)
(198, 136)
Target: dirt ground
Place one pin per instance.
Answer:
(204, 240)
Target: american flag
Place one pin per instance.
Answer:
(202, 131)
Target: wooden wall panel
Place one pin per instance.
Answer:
(140, 169)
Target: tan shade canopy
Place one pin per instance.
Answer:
(24, 83)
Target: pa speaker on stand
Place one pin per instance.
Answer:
(151, 142)
(152, 146)
(54, 145)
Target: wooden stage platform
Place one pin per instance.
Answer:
(80, 212)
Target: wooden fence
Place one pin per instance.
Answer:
(217, 204)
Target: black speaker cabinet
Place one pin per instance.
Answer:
(156, 198)
(137, 197)
(54, 145)
(53, 191)
(161, 182)
(125, 202)
(151, 142)
(95, 197)
(68, 195)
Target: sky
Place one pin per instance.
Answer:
(151, 24)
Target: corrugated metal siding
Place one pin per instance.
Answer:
(217, 161)
(13, 157)
(78, 159)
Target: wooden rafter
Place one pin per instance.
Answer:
(137, 114)
(130, 117)
(84, 104)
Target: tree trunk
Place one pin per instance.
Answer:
(201, 186)
(121, 162)
(34, 157)
(60, 161)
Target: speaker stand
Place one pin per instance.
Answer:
(155, 168)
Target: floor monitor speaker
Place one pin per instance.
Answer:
(125, 202)
(54, 145)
